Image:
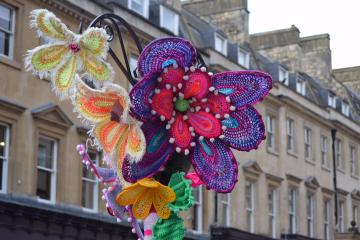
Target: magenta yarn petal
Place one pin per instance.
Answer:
(244, 129)
(215, 164)
(110, 199)
(158, 151)
(165, 51)
(140, 95)
(244, 87)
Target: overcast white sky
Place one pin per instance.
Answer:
(341, 19)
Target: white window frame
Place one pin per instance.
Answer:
(225, 204)
(301, 86)
(292, 210)
(53, 171)
(270, 132)
(338, 155)
(145, 4)
(11, 33)
(199, 209)
(246, 57)
(5, 158)
(326, 218)
(283, 76)
(272, 215)
(353, 161)
(223, 42)
(175, 30)
(250, 210)
(96, 185)
(311, 214)
(355, 213)
(290, 143)
(307, 143)
(332, 100)
(341, 216)
(345, 108)
(324, 151)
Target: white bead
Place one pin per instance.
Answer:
(186, 152)
(168, 86)
(192, 109)
(174, 89)
(173, 113)
(171, 140)
(211, 89)
(178, 149)
(181, 95)
(204, 100)
(197, 108)
(186, 69)
(150, 100)
(191, 129)
(133, 230)
(226, 115)
(83, 161)
(192, 144)
(157, 91)
(186, 77)
(107, 205)
(203, 69)
(175, 65)
(210, 73)
(103, 197)
(221, 136)
(232, 108)
(216, 92)
(192, 68)
(172, 120)
(228, 99)
(165, 70)
(153, 112)
(162, 118)
(193, 134)
(168, 126)
(212, 139)
(118, 219)
(104, 190)
(223, 128)
(217, 115)
(207, 109)
(159, 79)
(129, 219)
(179, 85)
(174, 99)
(185, 117)
(201, 138)
(91, 170)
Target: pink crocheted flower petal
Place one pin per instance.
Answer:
(172, 77)
(244, 129)
(197, 85)
(158, 151)
(244, 87)
(215, 164)
(217, 104)
(180, 132)
(162, 103)
(164, 51)
(204, 124)
(194, 178)
(140, 95)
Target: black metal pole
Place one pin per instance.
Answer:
(216, 209)
(333, 136)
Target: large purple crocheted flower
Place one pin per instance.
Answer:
(186, 109)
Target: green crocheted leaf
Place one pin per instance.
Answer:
(184, 195)
(169, 229)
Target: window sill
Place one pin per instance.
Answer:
(272, 151)
(45, 201)
(292, 153)
(89, 210)
(312, 162)
(325, 168)
(340, 170)
(355, 176)
(10, 62)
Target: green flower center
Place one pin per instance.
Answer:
(181, 105)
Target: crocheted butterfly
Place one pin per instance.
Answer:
(186, 109)
(67, 53)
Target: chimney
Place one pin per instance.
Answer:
(232, 16)
(349, 76)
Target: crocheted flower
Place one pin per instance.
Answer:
(116, 132)
(146, 194)
(67, 52)
(188, 110)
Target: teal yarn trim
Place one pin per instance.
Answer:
(169, 229)
(184, 192)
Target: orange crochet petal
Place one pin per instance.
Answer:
(108, 133)
(120, 150)
(148, 182)
(142, 206)
(136, 144)
(96, 105)
(129, 195)
(167, 193)
(161, 207)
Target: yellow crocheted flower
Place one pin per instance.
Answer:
(67, 53)
(145, 194)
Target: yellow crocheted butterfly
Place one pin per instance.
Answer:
(115, 130)
(67, 53)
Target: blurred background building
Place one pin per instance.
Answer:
(302, 182)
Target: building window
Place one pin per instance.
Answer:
(4, 155)
(7, 30)
(283, 76)
(225, 209)
(355, 213)
(250, 206)
(197, 210)
(341, 216)
(326, 219)
(220, 44)
(307, 142)
(133, 64)
(169, 19)
(292, 211)
(345, 108)
(353, 161)
(332, 100)
(270, 131)
(338, 157)
(290, 134)
(139, 6)
(311, 215)
(272, 212)
(46, 169)
(301, 86)
(90, 187)
(324, 150)
(243, 58)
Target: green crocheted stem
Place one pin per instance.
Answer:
(169, 229)
(184, 195)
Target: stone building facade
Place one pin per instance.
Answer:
(286, 188)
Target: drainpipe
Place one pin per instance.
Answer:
(216, 209)
(333, 136)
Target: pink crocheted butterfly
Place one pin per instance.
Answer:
(186, 109)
